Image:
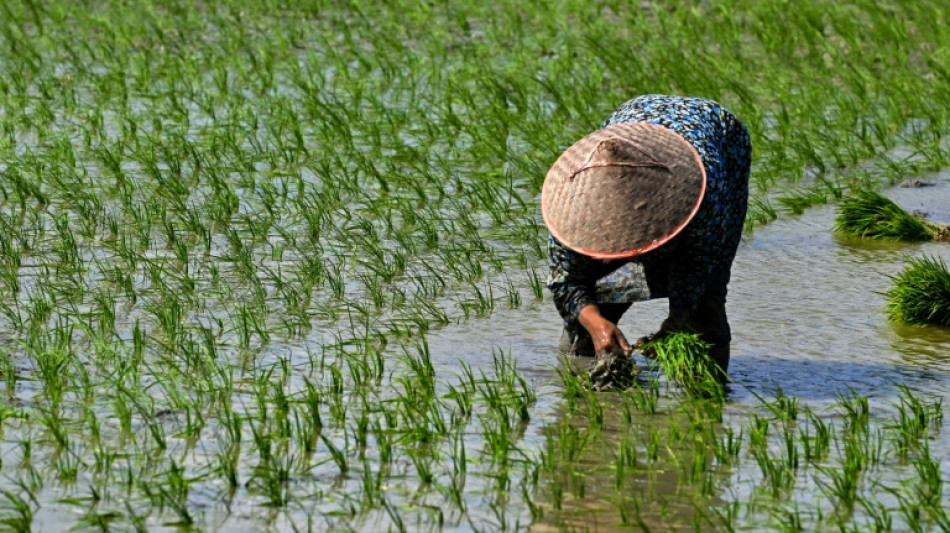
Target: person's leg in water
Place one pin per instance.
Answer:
(713, 325)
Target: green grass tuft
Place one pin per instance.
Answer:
(684, 358)
(872, 215)
(921, 293)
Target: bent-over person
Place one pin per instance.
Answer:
(650, 206)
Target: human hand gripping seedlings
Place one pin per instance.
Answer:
(665, 178)
(614, 368)
(606, 336)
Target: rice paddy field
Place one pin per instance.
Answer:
(269, 265)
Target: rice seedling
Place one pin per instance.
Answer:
(870, 214)
(221, 253)
(684, 358)
(920, 293)
(857, 411)
(815, 447)
(916, 421)
(727, 447)
(17, 513)
(879, 518)
(797, 202)
(760, 212)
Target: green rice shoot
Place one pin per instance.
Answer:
(872, 215)
(684, 358)
(921, 293)
(229, 230)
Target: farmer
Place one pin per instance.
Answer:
(650, 206)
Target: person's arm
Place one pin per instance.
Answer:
(571, 282)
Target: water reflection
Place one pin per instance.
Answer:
(806, 308)
(639, 471)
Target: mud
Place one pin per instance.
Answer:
(611, 372)
(913, 183)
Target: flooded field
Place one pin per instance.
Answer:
(271, 265)
(808, 322)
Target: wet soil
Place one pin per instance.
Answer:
(612, 372)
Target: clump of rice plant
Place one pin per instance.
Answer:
(871, 214)
(613, 371)
(921, 293)
(684, 358)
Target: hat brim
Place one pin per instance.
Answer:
(623, 190)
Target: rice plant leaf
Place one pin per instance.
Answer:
(684, 358)
(870, 214)
(921, 293)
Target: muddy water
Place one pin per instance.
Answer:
(807, 317)
(808, 313)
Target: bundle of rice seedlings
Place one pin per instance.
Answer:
(684, 358)
(613, 371)
(870, 214)
(921, 293)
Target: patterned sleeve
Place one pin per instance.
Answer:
(569, 280)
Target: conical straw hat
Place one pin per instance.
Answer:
(623, 190)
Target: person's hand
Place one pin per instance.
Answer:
(606, 336)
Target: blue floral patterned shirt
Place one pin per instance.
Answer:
(700, 257)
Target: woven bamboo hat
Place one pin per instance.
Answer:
(623, 190)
